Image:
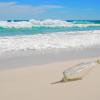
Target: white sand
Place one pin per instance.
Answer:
(34, 83)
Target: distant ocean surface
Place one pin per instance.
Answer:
(48, 34)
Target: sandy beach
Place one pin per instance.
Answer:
(36, 83)
(49, 49)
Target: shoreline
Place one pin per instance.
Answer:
(19, 59)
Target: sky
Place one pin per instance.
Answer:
(50, 9)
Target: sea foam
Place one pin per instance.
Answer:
(59, 40)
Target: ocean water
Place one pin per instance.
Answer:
(49, 35)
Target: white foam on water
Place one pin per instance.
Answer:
(44, 23)
(86, 25)
(68, 40)
(22, 24)
(32, 23)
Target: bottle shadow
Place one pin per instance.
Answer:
(68, 80)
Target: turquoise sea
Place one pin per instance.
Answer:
(48, 34)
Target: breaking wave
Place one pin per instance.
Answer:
(46, 23)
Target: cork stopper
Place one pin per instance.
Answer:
(98, 61)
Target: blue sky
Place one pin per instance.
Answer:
(50, 9)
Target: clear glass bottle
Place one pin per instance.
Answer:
(79, 71)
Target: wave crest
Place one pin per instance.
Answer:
(35, 23)
(44, 23)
